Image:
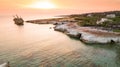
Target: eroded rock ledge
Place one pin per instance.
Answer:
(88, 34)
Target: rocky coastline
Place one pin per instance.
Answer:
(86, 34)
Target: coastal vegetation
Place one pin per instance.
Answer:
(106, 20)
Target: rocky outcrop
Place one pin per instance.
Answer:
(67, 30)
(86, 37)
(73, 33)
(61, 28)
(90, 38)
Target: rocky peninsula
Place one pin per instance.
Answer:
(102, 27)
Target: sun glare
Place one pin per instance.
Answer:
(43, 5)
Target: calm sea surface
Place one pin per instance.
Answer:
(34, 45)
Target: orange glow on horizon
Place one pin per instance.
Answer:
(83, 5)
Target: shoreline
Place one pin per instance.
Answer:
(87, 34)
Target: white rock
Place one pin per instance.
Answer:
(85, 36)
(72, 31)
(61, 27)
(97, 39)
(4, 65)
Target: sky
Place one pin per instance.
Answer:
(54, 5)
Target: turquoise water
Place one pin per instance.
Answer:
(34, 45)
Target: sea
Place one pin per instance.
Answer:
(36, 45)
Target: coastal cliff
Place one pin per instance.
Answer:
(88, 34)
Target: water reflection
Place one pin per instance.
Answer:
(35, 45)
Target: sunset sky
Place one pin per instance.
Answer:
(85, 5)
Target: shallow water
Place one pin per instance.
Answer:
(34, 45)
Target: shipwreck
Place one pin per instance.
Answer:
(18, 20)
